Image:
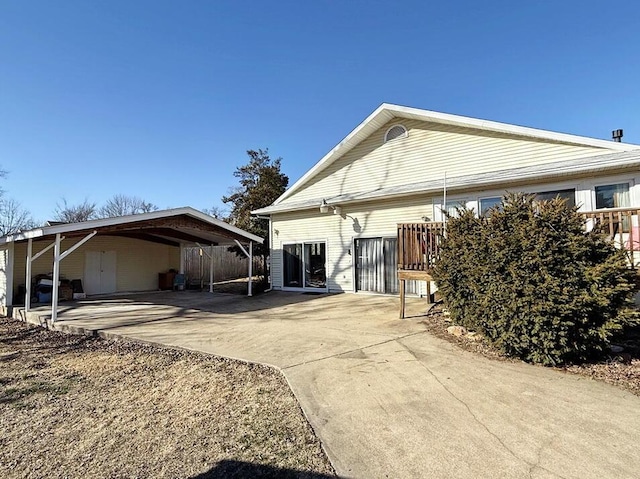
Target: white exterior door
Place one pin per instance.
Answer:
(100, 272)
(108, 273)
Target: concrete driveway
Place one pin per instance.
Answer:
(386, 398)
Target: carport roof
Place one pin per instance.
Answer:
(174, 226)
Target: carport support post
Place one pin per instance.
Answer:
(57, 257)
(210, 256)
(181, 270)
(249, 255)
(27, 294)
(211, 269)
(30, 260)
(56, 279)
(250, 268)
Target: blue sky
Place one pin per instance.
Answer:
(161, 99)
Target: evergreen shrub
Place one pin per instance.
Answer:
(531, 279)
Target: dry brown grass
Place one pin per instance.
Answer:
(73, 406)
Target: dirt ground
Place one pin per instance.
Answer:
(73, 406)
(621, 369)
(235, 286)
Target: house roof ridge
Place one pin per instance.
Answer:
(554, 169)
(388, 111)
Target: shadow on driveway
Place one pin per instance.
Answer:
(229, 469)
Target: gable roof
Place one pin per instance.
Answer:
(387, 112)
(548, 171)
(195, 226)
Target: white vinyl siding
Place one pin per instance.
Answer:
(7, 262)
(379, 219)
(363, 220)
(427, 153)
(138, 262)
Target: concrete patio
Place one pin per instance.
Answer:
(385, 397)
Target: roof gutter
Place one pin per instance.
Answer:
(453, 185)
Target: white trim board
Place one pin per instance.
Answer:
(120, 220)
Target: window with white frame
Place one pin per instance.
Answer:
(451, 208)
(569, 195)
(485, 204)
(613, 196)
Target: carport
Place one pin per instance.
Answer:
(121, 254)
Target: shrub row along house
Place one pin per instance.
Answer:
(335, 229)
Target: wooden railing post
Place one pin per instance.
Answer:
(418, 250)
(622, 225)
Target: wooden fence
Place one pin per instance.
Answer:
(226, 265)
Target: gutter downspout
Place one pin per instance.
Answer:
(260, 217)
(444, 205)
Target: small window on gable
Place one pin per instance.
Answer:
(397, 131)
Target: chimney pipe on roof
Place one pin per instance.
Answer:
(617, 135)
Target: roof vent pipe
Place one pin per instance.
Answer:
(617, 135)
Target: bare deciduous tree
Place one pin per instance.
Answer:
(217, 212)
(13, 217)
(122, 205)
(67, 213)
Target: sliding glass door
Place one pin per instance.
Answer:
(370, 265)
(305, 265)
(377, 266)
(292, 265)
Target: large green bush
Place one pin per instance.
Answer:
(530, 278)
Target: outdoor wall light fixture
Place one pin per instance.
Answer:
(324, 208)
